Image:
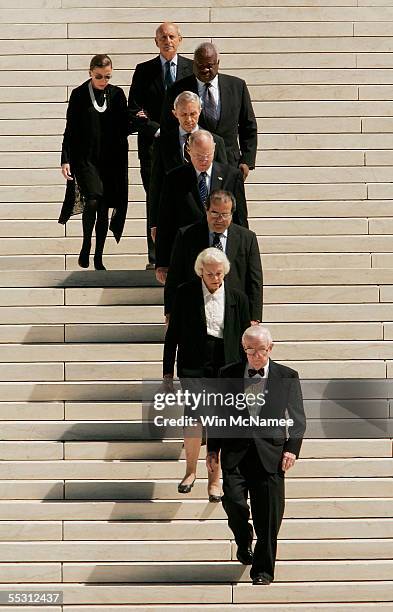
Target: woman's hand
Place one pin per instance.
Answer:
(66, 172)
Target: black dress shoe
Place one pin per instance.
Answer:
(185, 488)
(244, 555)
(215, 499)
(261, 579)
(83, 259)
(98, 265)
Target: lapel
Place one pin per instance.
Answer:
(181, 71)
(201, 304)
(173, 156)
(272, 380)
(216, 177)
(157, 78)
(225, 97)
(228, 310)
(232, 243)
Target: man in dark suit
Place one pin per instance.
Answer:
(185, 192)
(226, 107)
(239, 243)
(171, 149)
(147, 91)
(255, 462)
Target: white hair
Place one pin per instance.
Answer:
(258, 331)
(199, 136)
(187, 96)
(209, 256)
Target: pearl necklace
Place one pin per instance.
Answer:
(100, 109)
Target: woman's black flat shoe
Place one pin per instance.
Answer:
(185, 488)
(215, 499)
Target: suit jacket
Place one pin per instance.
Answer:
(237, 124)
(187, 329)
(180, 203)
(147, 92)
(242, 251)
(283, 397)
(166, 156)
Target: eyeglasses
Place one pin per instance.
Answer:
(261, 351)
(216, 215)
(99, 77)
(216, 275)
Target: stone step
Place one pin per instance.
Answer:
(146, 430)
(189, 530)
(195, 550)
(163, 469)
(168, 449)
(283, 593)
(215, 572)
(289, 607)
(188, 509)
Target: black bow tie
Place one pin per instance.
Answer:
(252, 372)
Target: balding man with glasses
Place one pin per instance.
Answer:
(254, 461)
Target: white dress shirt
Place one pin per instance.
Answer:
(223, 239)
(214, 310)
(173, 66)
(215, 91)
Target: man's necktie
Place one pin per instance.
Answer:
(252, 372)
(209, 106)
(216, 241)
(168, 79)
(202, 186)
(186, 150)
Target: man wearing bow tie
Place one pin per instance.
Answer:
(185, 192)
(256, 464)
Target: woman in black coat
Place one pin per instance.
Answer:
(94, 158)
(205, 327)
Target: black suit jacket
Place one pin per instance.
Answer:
(283, 397)
(187, 329)
(147, 92)
(242, 251)
(237, 124)
(180, 203)
(167, 156)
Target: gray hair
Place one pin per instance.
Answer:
(258, 331)
(211, 255)
(199, 136)
(187, 96)
(207, 46)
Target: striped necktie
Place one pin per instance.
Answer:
(209, 106)
(202, 186)
(217, 241)
(186, 149)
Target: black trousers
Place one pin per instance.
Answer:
(267, 498)
(145, 167)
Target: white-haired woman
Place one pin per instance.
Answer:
(205, 327)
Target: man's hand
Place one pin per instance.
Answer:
(167, 316)
(161, 274)
(141, 114)
(66, 172)
(288, 461)
(244, 169)
(211, 461)
(153, 233)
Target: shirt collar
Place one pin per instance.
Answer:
(207, 294)
(266, 368)
(183, 132)
(214, 83)
(163, 60)
(225, 234)
(208, 172)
